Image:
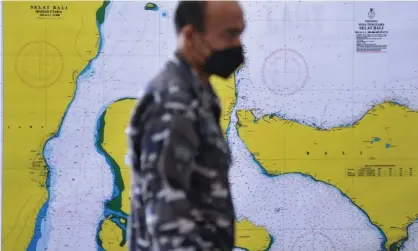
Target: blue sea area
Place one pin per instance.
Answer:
(43, 224)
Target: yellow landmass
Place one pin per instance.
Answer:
(115, 144)
(117, 119)
(111, 236)
(42, 58)
(374, 162)
(250, 237)
(225, 88)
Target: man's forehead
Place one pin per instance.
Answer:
(224, 12)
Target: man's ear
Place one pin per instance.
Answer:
(187, 32)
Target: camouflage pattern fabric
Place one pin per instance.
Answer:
(180, 190)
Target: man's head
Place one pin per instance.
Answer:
(211, 35)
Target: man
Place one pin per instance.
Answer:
(181, 197)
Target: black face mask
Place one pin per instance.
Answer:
(224, 62)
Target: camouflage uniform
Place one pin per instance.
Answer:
(180, 190)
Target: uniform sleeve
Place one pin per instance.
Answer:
(169, 144)
(164, 139)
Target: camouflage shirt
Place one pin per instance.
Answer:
(180, 190)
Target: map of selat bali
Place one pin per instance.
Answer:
(322, 121)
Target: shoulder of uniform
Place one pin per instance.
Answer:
(164, 94)
(172, 90)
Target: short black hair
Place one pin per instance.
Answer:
(190, 13)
